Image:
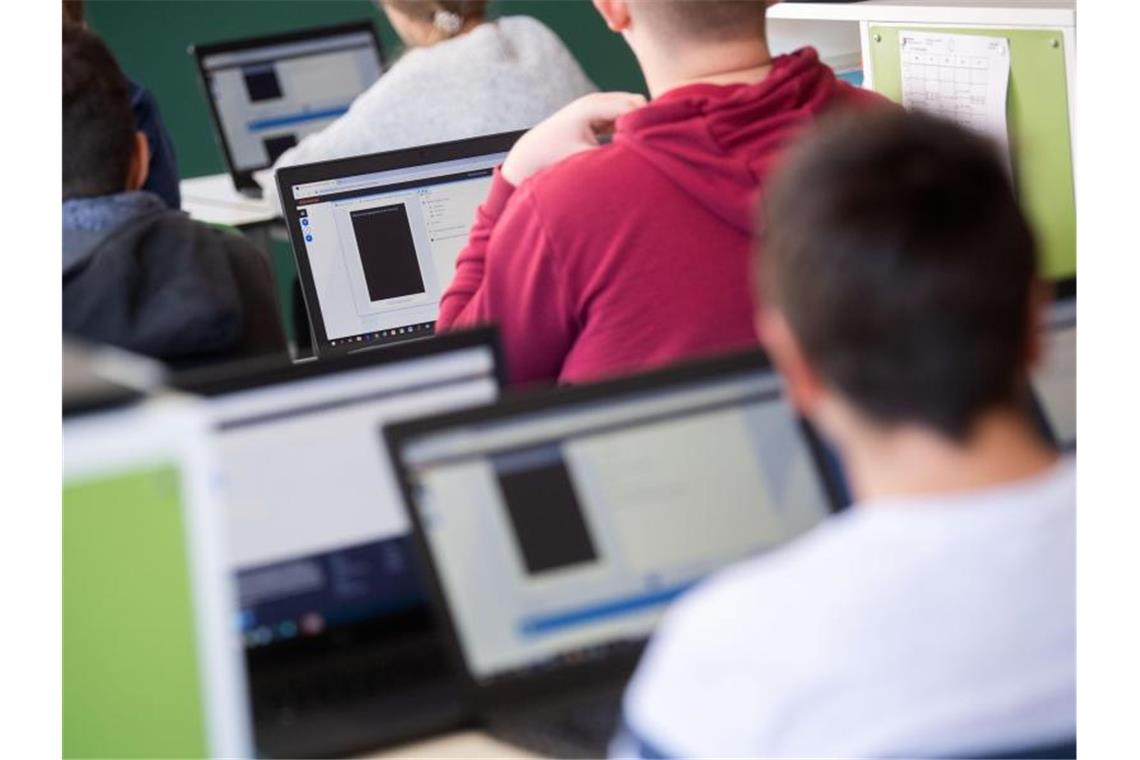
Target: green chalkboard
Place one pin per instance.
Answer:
(1038, 119)
(151, 37)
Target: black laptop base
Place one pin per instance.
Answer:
(351, 702)
(578, 724)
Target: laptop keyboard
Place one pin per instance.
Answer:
(573, 728)
(337, 706)
(283, 699)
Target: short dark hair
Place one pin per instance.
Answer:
(703, 20)
(98, 126)
(897, 252)
(74, 12)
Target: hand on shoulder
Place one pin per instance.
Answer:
(571, 130)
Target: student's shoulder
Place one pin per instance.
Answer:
(589, 178)
(180, 222)
(788, 576)
(142, 101)
(849, 96)
(527, 33)
(523, 25)
(175, 230)
(773, 599)
(756, 623)
(538, 60)
(207, 256)
(416, 71)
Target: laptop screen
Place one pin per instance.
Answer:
(317, 535)
(560, 533)
(149, 663)
(377, 248)
(269, 94)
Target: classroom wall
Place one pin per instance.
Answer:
(151, 37)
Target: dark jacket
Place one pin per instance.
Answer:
(162, 177)
(163, 285)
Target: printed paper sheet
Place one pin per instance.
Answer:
(961, 77)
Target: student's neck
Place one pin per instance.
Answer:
(917, 462)
(745, 62)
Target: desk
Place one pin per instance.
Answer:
(461, 744)
(213, 199)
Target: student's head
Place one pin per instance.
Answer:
(426, 22)
(678, 39)
(73, 12)
(102, 152)
(897, 279)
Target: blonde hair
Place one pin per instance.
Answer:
(448, 16)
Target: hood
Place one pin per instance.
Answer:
(158, 284)
(715, 142)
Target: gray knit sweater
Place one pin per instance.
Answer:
(503, 75)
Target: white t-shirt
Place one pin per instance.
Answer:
(931, 627)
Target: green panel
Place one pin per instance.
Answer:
(1038, 118)
(150, 38)
(130, 664)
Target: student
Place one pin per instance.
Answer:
(464, 75)
(636, 253)
(136, 274)
(936, 618)
(162, 172)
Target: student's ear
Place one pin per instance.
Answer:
(1040, 296)
(615, 13)
(140, 162)
(803, 386)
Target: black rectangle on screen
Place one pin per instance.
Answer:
(387, 252)
(261, 83)
(546, 516)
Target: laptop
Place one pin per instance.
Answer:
(267, 93)
(341, 650)
(1055, 381)
(151, 664)
(376, 237)
(555, 529)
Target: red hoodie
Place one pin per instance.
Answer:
(636, 254)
